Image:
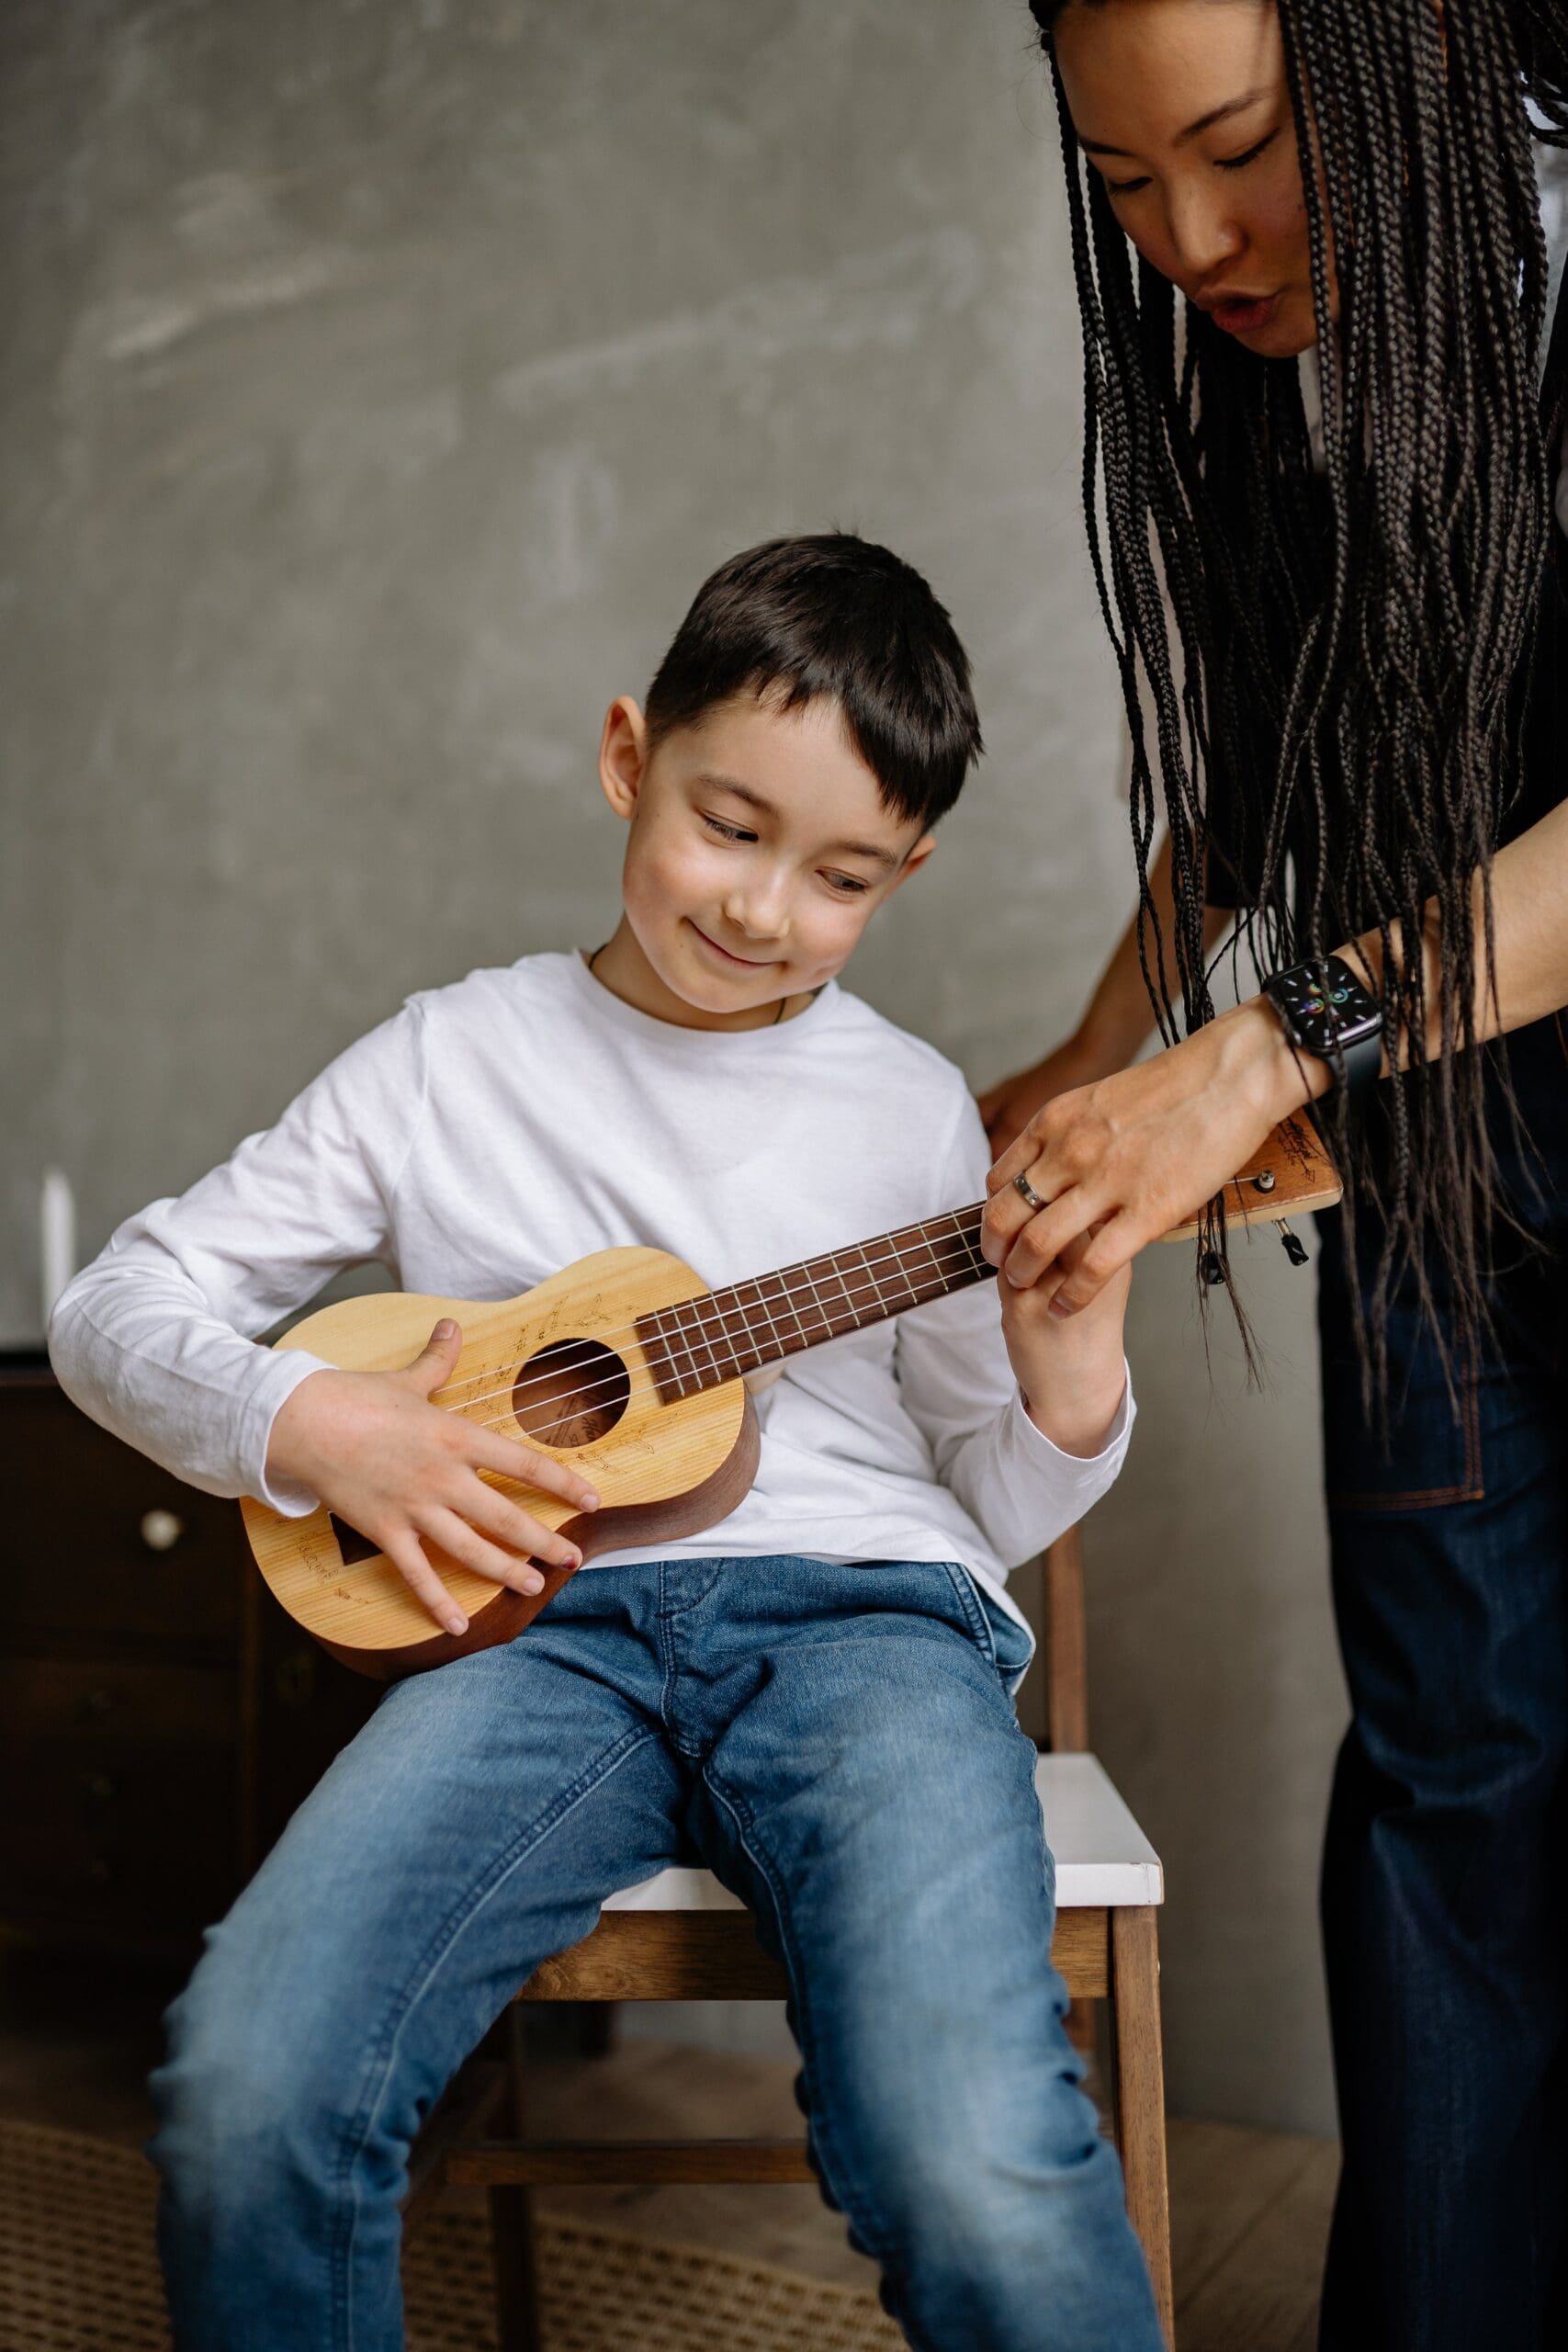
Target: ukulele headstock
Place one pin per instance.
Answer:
(1290, 1174)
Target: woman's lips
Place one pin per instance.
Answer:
(1242, 314)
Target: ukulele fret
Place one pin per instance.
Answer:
(723, 1334)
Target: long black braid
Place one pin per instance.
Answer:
(1336, 711)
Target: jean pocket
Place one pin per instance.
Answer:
(1425, 1451)
(1008, 1645)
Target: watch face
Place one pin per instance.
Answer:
(1324, 1003)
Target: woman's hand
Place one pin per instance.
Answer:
(1118, 1163)
(1008, 1107)
(405, 1473)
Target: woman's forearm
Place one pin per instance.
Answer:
(1526, 977)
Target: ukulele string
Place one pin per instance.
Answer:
(576, 1399)
(896, 1260)
(895, 1245)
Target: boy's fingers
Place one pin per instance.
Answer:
(408, 1557)
(486, 1559)
(519, 1532)
(436, 1359)
(529, 1468)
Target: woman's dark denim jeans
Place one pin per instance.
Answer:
(1444, 1920)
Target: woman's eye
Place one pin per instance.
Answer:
(1234, 163)
(1127, 188)
(727, 833)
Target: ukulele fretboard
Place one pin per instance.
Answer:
(701, 1341)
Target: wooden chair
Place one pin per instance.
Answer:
(683, 1937)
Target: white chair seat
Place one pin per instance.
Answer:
(1103, 1857)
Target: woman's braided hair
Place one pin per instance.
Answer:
(1336, 696)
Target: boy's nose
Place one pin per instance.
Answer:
(760, 911)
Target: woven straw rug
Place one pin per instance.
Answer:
(78, 2274)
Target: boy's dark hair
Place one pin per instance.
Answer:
(832, 615)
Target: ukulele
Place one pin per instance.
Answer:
(628, 1362)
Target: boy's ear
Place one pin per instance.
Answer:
(622, 756)
(913, 863)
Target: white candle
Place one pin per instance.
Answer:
(57, 1238)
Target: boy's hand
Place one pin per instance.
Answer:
(1070, 1368)
(404, 1471)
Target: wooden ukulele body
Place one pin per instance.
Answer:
(663, 1466)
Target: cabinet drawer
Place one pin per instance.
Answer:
(98, 1537)
(74, 1702)
(101, 1824)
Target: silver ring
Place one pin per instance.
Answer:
(1026, 1192)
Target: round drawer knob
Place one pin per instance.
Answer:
(162, 1530)
(95, 1704)
(98, 1788)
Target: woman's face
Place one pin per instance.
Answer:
(1182, 107)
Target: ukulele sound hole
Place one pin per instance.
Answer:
(351, 1543)
(570, 1394)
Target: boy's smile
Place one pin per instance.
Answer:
(759, 847)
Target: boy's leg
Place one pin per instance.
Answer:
(871, 1794)
(472, 1828)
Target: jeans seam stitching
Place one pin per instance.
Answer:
(746, 1827)
(439, 1946)
(1472, 1488)
(974, 1616)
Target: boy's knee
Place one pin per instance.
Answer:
(987, 2156)
(243, 2099)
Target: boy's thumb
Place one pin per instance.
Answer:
(439, 1351)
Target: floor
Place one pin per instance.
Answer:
(1249, 2209)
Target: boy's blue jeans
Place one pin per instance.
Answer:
(838, 1744)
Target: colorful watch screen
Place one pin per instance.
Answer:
(1323, 1004)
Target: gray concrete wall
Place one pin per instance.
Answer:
(378, 382)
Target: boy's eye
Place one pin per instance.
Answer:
(848, 886)
(726, 832)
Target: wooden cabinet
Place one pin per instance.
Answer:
(160, 1716)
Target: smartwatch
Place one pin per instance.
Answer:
(1325, 1012)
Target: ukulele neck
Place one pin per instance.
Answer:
(724, 1333)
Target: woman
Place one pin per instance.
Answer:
(1352, 683)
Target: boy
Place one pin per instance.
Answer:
(814, 1696)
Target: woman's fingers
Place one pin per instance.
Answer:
(1037, 1245)
(521, 1464)
(1008, 1212)
(1110, 1246)
(1020, 1156)
(407, 1555)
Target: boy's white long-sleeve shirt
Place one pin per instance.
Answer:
(494, 1131)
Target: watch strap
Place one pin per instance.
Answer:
(1363, 1061)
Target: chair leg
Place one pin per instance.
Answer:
(1139, 2067)
(595, 2028)
(512, 2222)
